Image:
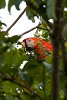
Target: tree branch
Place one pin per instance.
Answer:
(16, 20)
(30, 29)
(24, 86)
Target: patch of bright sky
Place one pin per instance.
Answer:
(22, 25)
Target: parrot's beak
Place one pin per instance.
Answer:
(23, 44)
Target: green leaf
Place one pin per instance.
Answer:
(48, 59)
(2, 34)
(12, 39)
(13, 91)
(27, 78)
(51, 9)
(65, 2)
(45, 34)
(1, 23)
(30, 14)
(11, 61)
(2, 97)
(2, 4)
(1, 60)
(3, 47)
(14, 2)
(48, 85)
(34, 69)
(9, 87)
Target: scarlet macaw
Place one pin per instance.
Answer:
(41, 47)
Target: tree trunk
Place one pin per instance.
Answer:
(64, 53)
(56, 42)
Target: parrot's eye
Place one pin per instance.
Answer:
(29, 40)
(30, 43)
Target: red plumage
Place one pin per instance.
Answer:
(41, 47)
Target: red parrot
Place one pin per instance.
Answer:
(39, 46)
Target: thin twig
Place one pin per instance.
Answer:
(30, 30)
(16, 20)
(44, 82)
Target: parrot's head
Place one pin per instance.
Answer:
(29, 43)
(39, 46)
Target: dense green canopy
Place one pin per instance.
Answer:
(35, 80)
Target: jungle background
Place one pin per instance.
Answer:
(34, 80)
